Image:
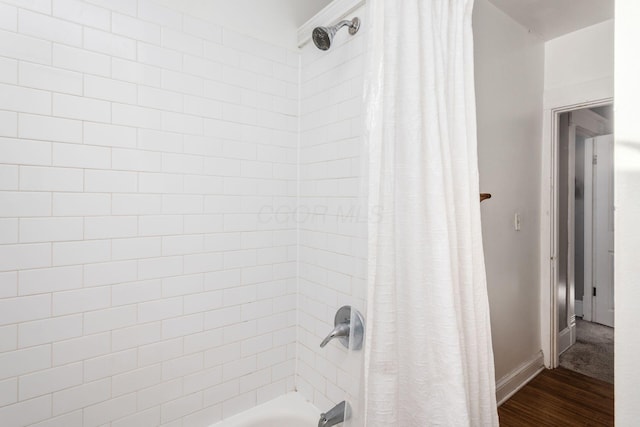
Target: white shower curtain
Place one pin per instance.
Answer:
(428, 355)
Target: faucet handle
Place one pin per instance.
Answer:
(344, 330)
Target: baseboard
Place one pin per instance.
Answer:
(579, 309)
(508, 385)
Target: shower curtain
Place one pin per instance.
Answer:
(428, 355)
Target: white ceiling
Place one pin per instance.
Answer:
(553, 18)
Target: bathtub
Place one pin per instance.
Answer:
(290, 410)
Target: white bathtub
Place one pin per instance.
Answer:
(290, 410)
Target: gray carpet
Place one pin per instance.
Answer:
(592, 354)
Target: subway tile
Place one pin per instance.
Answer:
(180, 41)
(50, 179)
(104, 412)
(135, 72)
(110, 273)
(181, 204)
(158, 225)
(71, 419)
(128, 7)
(48, 28)
(8, 391)
(50, 229)
(43, 6)
(160, 141)
(8, 123)
(166, 349)
(181, 163)
(160, 98)
(81, 348)
(108, 181)
(136, 292)
(183, 83)
(75, 107)
(182, 366)
(161, 393)
(202, 107)
(22, 99)
(81, 156)
(109, 44)
(8, 334)
(109, 89)
(50, 380)
(136, 29)
(18, 46)
(182, 244)
(109, 135)
(82, 13)
(9, 229)
(110, 227)
(46, 280)
(21, 204)
(202, 341)
(157, 56)
(81, 300)
(134, 248)
(49, 78)
(111, 364)
(136, 204)
(131, 115)
(109, 319)
(21, 362)
(26, 412)
(153, 12)
(182, 123)
(136, 336)
(18, 257)
(89, 251)
(49, 330)
(70, 58)
(202, 302)
(8, 18)
(201, 263)
(81, 204)
(49, 128)
(158, 310)
(203, 223)
(149, 417)
(160, 267)
(181, 326)
(163, 183)
(81, 396)
(136, 160)
(182, 285)
(210, 70)
(21, 309)
(202, 29)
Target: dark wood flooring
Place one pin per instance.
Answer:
(560, 397)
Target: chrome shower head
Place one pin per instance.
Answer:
(323, 36)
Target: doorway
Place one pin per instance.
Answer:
(584, 238)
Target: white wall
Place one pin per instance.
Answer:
(275, 21)
(509, 70)
(143, 279)
(627, 211)
(579, 57)
(332, 230)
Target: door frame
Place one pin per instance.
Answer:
(549, 221)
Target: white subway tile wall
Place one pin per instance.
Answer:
(332, 217)
(148, 175)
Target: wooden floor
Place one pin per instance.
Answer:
(560, 397)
